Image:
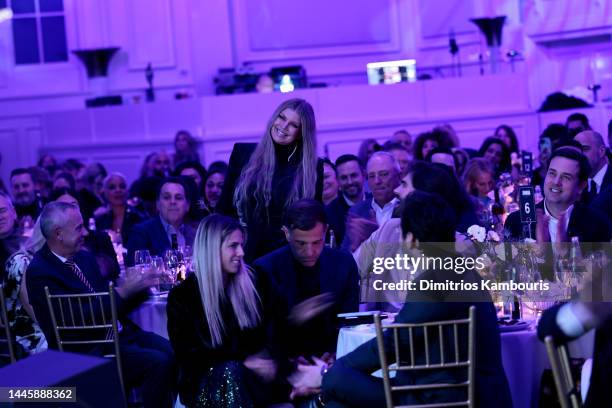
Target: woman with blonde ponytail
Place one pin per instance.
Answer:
(264, 179)
(215, 323)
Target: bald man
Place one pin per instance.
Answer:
(594, 149)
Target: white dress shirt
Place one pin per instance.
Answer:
(552, 223)
(384, 214)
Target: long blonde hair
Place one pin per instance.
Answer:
(240, 290)
(472, 170)
(256, 178)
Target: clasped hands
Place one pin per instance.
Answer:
(306, 379)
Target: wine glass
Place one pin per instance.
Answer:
(142, 258)
(172, 259)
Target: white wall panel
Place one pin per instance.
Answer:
(151, 34)
(266, 29)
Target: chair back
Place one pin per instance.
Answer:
(7, 346)
(85, 319)
(562, 374)
(449, 357)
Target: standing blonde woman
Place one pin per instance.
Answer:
(264, 179)
(215, 323)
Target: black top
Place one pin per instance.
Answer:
(131, 217)
(336, 212)
(264, 230)
(191, 340)
(33, 210)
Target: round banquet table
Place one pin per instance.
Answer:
(523, 356)
(151, 315)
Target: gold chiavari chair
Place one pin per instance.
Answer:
(562, 374)
(7, 346)
(449, 359)
(85, 314)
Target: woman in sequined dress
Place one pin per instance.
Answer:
(215, 323)
(29, 336)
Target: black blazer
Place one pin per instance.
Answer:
(338, 275)
(603, 202)
(151, 235)
(48, 270)
(191, 339)
(336, 213)
(492, 388)
(601, 374)
(605, 185)
(263, 236)
(589, 225)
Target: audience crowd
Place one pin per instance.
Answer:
(282, 241)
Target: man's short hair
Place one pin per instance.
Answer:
(580, 117)
(388, 156)
(390, 146)
(567, 143)
(20, 171)
(304, 215)
(53, 215)
(174, 180)
(345, 158)
(581, 159)
(428, 217)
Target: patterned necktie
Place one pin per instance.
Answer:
(77, 272)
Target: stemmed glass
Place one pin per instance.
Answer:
(142, 258)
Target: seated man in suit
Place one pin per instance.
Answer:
(158, 233)
(383, 174)
(566, 322)
(426, 218)
(308, 285)
(64, 268)
(561, 215)
(594, 149)
(351, 180)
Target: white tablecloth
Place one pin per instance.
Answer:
(523, 356)
(151, 316)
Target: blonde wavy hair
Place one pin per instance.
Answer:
(240, 290)
(256, 178)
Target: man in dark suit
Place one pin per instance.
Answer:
(426, 218)
(561, 215)
(350, 178)
(158, 233)
(383, 174)
(307, 285)
(566, 322)
(600, 178)
(61, 266)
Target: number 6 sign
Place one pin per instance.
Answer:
(527, 204)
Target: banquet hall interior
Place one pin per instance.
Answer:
(224, 203)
